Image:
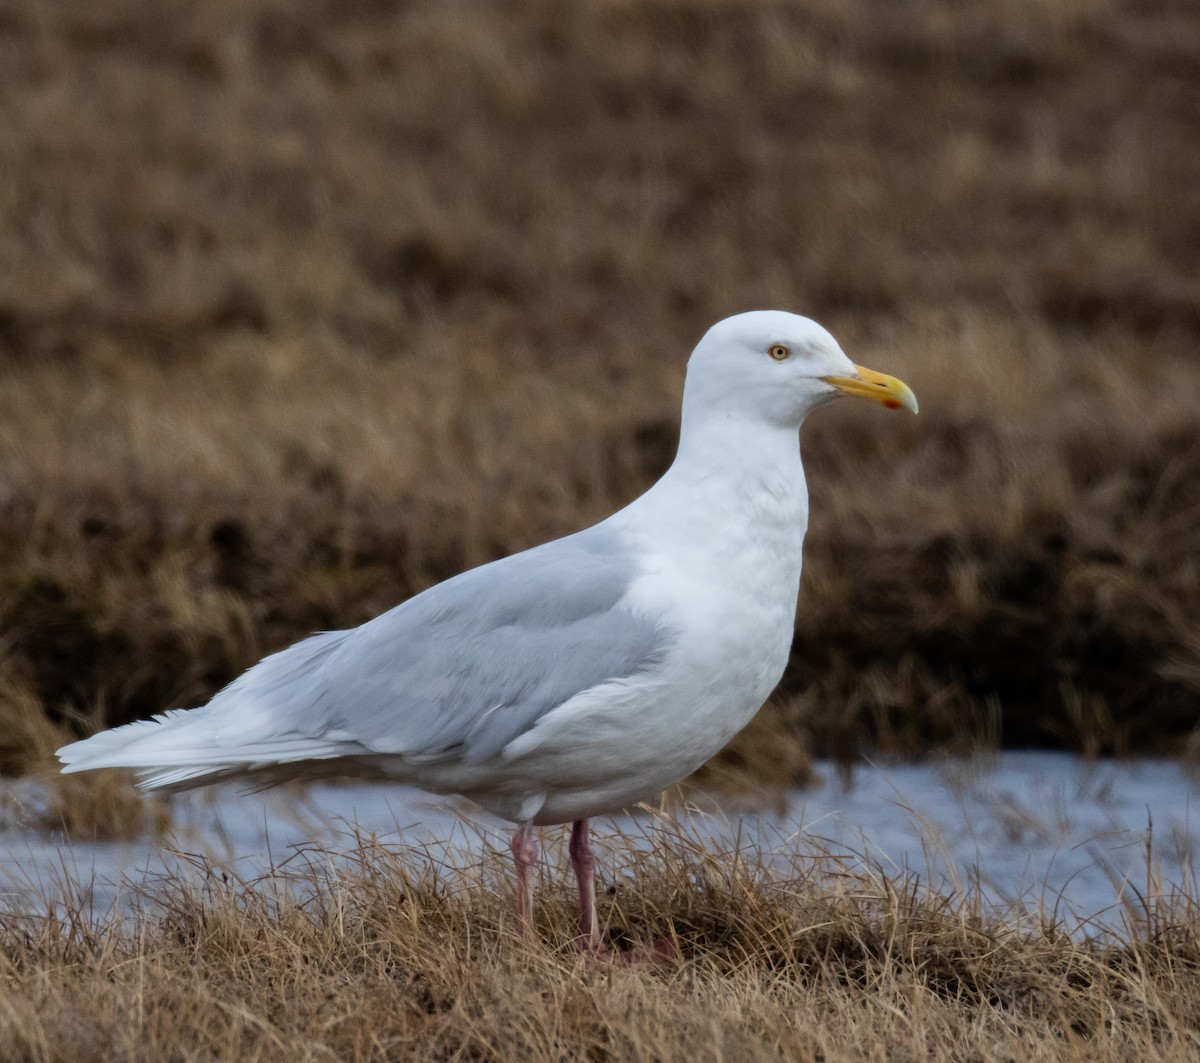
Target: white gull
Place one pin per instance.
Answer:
(575, 678)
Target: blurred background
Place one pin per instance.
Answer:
(308, 304)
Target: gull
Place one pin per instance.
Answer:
(576, 678)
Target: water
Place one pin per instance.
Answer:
(1042, 830)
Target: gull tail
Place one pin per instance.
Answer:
(175, 751)
(243, 730)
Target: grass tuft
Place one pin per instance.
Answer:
(376, 952)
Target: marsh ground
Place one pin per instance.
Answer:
(307, 305)
(381, 953)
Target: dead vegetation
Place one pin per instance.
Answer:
(306, 306)
(378, 953)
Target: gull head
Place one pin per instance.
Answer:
(773, 366)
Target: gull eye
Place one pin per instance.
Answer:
(779, 352)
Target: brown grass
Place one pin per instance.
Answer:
(385, 954)
(306, 306)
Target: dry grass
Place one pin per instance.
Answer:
(385, 954)
(306, 306)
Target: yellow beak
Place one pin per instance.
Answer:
(879, 387)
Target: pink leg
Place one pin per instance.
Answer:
(589, 926)
(525, 854)
(585, 875)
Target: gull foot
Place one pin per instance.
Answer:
(661, 953)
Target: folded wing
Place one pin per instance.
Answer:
(455, 673)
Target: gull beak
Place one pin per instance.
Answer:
(878, 387)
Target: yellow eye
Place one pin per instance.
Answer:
(779, 352)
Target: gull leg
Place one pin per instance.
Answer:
(584, 862)
(525, 854)
(585, 875)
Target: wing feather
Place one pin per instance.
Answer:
(455, 673)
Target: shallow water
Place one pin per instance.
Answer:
(1037, 829)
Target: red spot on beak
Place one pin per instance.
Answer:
(891, 404)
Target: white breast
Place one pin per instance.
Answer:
(721, 570)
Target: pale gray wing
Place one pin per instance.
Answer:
(462, 669)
